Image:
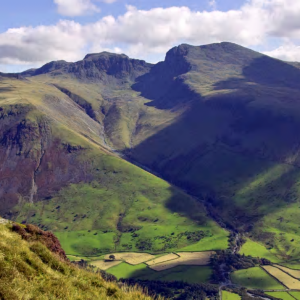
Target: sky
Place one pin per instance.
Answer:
(34, 32)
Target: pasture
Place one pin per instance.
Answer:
(255, 278)
(281, 295)
(294, 273)
(256, 249)
(185, 259)
(190, 274)
(295, 295)
(162, 259)
(284, 278)
(105, 264)
(131, 257)
(230, 296)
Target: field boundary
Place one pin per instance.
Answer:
(160, 253)
(274, 276)
(178, 256)
(287, 272)
(291, 295)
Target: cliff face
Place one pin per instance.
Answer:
(34, 163)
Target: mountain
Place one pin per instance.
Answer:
(59, 172)
(219, 121)
(33, 266)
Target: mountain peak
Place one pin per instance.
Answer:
(105, 54)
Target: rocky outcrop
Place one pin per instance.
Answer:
(34, 164)
(105, 67)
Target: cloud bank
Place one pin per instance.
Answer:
(150, 33)
(74, 8)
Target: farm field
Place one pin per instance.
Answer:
(230, 296)
(131, 257)
(105, 264)
(294, 273)
(191, 274)
(255, 278)
(185, 258)
(281, 295)
(284, 278)
(294, 265)
(295, 295)
(162, 259)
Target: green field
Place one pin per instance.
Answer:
(255, 249)
(281, 295)
(295, 265)
(191, 274)
(230, 296)
(295, 295)
(255, 278)
(292, 265)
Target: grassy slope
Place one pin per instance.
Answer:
(124, 207)
(230, 296)
(190, 274)
(295, 295)
(119, 109)
(255, 249)
(255, 278)
(91, 219)
(281, 295)
(31, 271)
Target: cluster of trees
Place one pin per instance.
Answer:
(225, 262)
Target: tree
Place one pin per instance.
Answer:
(112, 257)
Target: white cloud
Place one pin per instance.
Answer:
(149, 33)
(75, 7)
(288, 52)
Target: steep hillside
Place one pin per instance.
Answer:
(236, 144)
(58, 172)
(220, 120)
(28, 270)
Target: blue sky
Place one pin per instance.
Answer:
(33, 32)
(17, 13)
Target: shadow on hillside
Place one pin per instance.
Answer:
(225, 141)
(6, 89)
(164, 85)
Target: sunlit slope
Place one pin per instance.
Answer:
(29, 270)
(122, 112)
(58, 173)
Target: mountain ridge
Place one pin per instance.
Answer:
(220, 121)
